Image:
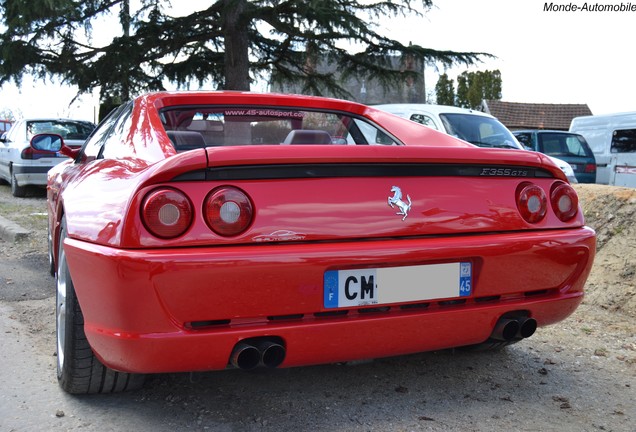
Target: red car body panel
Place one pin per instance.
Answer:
(115, 179)
(142, 304)
(153, 304)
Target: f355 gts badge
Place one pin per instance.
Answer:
(396, 201)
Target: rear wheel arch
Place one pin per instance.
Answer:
(54, 229)
(79, 371)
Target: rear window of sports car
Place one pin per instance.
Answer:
(204, 126)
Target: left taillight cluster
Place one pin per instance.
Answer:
(31, 153)
(168, 213)
(532, 202)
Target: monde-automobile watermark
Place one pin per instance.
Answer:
(589, 7)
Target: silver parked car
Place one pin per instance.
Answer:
(476, 127)
(21, 165)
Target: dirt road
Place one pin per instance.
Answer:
(578, 375)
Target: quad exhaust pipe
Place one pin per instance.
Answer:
(514, 328)
(269, 353)
(250, 354)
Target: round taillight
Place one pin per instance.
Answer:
(565, 201)
(166, 213)
(228, 211)
(531, 202)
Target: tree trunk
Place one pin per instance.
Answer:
(125, 23)
(235, 28)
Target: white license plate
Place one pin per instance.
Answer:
(376, 286)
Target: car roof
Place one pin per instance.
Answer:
(430, 108)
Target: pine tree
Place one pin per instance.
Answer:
(445, 90)
(474, 87)
(228, 45)
(461, 98)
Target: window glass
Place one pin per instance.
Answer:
(116, 145)
(93, 146)
(525, 139)
(14, 132)
(624, 141)
(68, 129)
(563, 144)
(424, 119)
(480, 130)
(201, 126)
(575, 146)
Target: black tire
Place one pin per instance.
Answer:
(17, 191)
(78, 370)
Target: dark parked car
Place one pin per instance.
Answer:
(567, 146)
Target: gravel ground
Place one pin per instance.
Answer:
(578, 375)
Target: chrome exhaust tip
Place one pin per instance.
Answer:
(272, 353)
(245, 356)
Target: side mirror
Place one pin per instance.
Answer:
(53, 143)
(47, 142)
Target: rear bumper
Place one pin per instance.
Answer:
(31, 174)
(185, 309)
(585, 177)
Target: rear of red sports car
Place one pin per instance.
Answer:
(242, 247)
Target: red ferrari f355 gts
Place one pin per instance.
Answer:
(204, 230)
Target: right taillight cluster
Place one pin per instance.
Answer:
(228, 211)
(532, 201)
(564, 200)
(168, 213)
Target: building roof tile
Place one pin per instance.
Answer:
(516, 115)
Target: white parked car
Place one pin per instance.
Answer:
(474, 126)
(21, 165)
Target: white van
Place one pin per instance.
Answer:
(612, 138)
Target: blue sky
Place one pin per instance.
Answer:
(543, 56)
